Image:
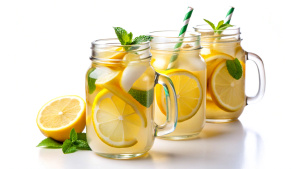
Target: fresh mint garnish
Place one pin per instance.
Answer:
(76, 142)
(91, 81)
(50, 143)
(68, 147)
(126, 38)
(234, 68)
(140, 39)
(143, 97)
(71, 145)
(81, 136)
(73, 135)
(220, 27)
(82, 145)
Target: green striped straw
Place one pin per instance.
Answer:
(229, 15)
(186, 21)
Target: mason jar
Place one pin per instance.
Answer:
(222, 52)
(178, 58)
(120, 100)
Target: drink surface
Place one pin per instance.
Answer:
(225, 99)
(120, 106)
(188, 76)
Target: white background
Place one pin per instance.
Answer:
(45, 50)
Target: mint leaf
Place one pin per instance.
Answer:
(49, 143)
(82, 145)
(143, 97)
(81, 136)
(120, 32)
(141, 38)
(220, 27)
(70, 149)
(234, 68)
(123, 36)
(76, 141)
(126, 38)
(129, 38)
(73, 135)
(91, 81)
(211, 24)
(66, 146)
(219, 24)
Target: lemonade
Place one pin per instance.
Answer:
(116, 122)
(120, 94)
(225, 95)
(188, 74)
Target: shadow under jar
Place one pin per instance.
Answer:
(178, 58)
(120, 95)
(226, 99)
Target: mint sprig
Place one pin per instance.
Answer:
(76, 142)
(145, 98)
(126, 38)
(50, 143)
(91, 81)
(220, 27)
(234, 68)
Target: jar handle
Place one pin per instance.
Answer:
(171, 106)
(261, 76)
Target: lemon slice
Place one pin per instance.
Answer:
(104, 75)
(119, 54)
(213, 60)
(188, 90)
(116, 122)
(215, 56)
(227, 92)
(57, 117)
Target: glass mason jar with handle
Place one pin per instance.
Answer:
(120, 95)
(226, 97)
(179, 59)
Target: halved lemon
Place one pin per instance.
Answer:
(227, 92)
(188, 90)
(116, 122)
(57, 117)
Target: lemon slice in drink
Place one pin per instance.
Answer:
(57, 117)
(226, 92)
(215, 56)
(116, 122)
(119, 54)
(188, 90)
(215, 59)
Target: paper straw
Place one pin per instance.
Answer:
(229, 15)
(186, 21)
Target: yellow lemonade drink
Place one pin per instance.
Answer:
(120, 100)
(116, 122)
(188, 74)
(225, 95)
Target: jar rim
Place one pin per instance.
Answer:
(208, 27)
(110, 44)
(229, 35)
(114, 42)
(191, 34)
(120, 61)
